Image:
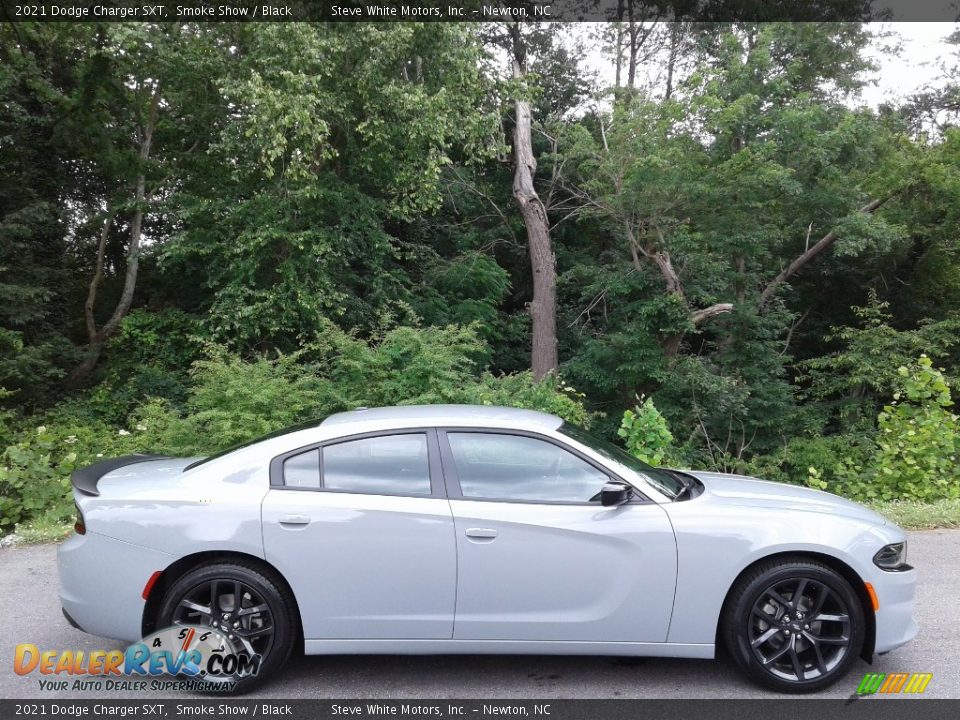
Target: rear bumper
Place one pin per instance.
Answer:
(895, 623)
(101, 581)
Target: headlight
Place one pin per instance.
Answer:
(892, 557)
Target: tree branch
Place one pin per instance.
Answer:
(811, 253)
(700, 316)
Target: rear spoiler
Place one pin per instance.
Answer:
(85, 479)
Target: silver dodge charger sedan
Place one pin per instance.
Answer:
(463, 529)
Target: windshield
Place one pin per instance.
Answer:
(248, 443)
(661, 480)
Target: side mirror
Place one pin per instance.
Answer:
(615, 493)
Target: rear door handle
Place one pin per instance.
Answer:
(295, 520)
(481, 533)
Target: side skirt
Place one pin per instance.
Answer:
(507, 647)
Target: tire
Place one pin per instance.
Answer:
(793, 625)
(272, 632)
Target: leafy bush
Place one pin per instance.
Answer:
(915, 451)
(32, 478)
(646, 433)
(919, 438)
(551, 395)
(233, 400)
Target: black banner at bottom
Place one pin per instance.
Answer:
(867, 708)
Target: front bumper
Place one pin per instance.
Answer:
(101, 581)
(895, 623)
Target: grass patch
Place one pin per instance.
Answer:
(49, 527)
(914, 515)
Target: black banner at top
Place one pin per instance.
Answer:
(477, 10)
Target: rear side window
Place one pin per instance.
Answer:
(303, 470)
(385, 465)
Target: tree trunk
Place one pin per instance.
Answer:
(97, 338)
(543, 308)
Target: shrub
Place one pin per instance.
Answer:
(645, 432)
(915, 449)
(32, 478)
(232, 400)
(551, 395)
(919, 438)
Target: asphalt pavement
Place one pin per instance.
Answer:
(30, 612)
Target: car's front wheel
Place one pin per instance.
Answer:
(794, 625)
(243, 601)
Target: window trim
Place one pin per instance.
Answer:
(434, 465)
(452, 480)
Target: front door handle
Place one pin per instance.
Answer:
(295, 520)
(481, 533)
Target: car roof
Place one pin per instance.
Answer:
(428, 415)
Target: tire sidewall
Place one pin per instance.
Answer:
(280, 607)
(737, 635)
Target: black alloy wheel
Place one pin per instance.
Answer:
(246, 603)
(794, 625)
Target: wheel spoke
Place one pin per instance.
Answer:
(831, 618)
(255, 633)
(821, 665)
(832, 640)
(795, 659)
(214, 604)
(822, 593)
(777, 655)
(759, 612)
(766, 636)
(779, 599)
(255, 610)
(195, 607)
(798, 595)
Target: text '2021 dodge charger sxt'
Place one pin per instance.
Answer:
(463, 529)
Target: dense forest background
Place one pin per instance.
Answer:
(210, 231)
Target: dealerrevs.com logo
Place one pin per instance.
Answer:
(894, 683)
(203, 659)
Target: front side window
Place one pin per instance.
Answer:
(515, 467)
(385, 465)
(660, 480)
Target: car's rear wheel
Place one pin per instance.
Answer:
(794, 625)
(244, 602)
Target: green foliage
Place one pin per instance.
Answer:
(645, 432)
(328, 226)
(32, 478)
(913, 455)
(919, 438)
(852, 380)
(234, 400)
(550, 395)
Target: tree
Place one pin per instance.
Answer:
(543, 306)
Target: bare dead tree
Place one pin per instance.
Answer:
(543, 307)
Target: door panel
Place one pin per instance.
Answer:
(364, 566)
(563, 572)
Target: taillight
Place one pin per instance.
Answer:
(80, 526)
